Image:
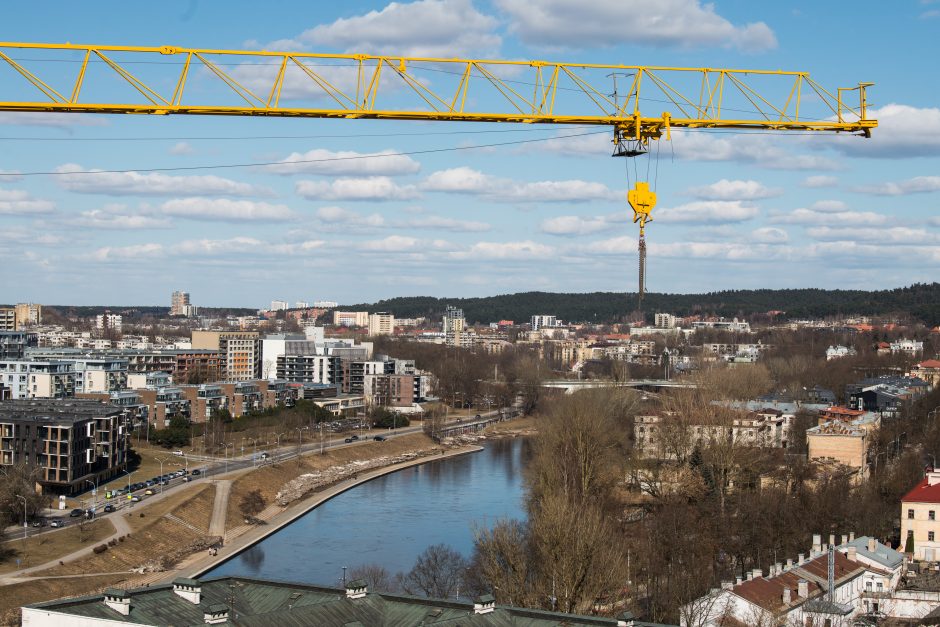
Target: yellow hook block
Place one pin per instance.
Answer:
(642, 200)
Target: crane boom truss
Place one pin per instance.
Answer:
(359, 86)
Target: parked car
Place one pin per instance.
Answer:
(148, 492)
(58, 522)
(75, 513)
(187, 479)
(109, 507)
(379, 438)
(197, 472)
(135, 499)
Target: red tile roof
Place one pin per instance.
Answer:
(930, 363)
(923, 492)
(768, 592)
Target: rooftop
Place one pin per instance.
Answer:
(260, 602)
(54, 410)
(927, 491)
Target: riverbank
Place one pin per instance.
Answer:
(199, 565)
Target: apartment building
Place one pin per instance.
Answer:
(71, 441)
(205, 400)
(179, 301)
(38, 379)
(27, 314)
(395, 390)
(664, 321)
(382, 323)
(277, 345)
(100, 374)
(7, 319)
(456, 332)
(239, 352)
(109, 321)
(136, 412)
(242, 397)
(310, 369)
(13, 344)
(165, 403)
(350, 318)
(138, 380)
(842, 437)
(543, 321)
(928, 371)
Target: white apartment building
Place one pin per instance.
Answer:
(100, 374)
(301, 304)
(540, 321)
(153, 380)
(38, 379)
(837, 352)
(279, 305)
(278, 345)
(381, 323)
(108, 321)
(735, 325)
(455, 328)
(911, 347)
(664, 321)
(325, 304)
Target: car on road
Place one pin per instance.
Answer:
(187, 479)
(264, 456)
(135, 499)
(39, 522)
(75, 513)
(379, 438)
(197, 472)
(352, 438)
(148, 492)
(56, 523)
(178, 453)
(109, 507)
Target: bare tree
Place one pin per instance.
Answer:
(375, 575)
(502, 562)
(439, 572)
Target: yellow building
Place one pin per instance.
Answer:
(920, 528)
(239, 352)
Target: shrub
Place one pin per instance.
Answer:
(101, 548)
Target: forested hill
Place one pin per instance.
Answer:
(921, 301)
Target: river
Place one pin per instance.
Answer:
(391, 519)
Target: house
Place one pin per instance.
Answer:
(799, 593)
(920, 529)
(928, 370)
(837, 352)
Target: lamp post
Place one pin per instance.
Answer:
(94, 494)
(226, 453)
(277, 442)
(161, 460)
(25, 524)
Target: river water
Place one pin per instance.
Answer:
(391, 519)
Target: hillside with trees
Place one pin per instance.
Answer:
(920, 301)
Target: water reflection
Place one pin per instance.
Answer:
(390, 520)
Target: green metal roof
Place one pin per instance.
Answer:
(255, 602)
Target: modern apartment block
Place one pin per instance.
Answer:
(179, 301)
(70, 441)
(100, 374)
(455, 328)
(204, 400)
(543, 321)
(13, 344)
(27, 314)
(38, 379)
(382, 323)
(242, 397)
(109, 321)
(164, 404)
(350, 318)
(395, 390)
(239, 352)
(7, 319)
(310, 368)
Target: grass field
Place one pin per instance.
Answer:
(46, 547)
(17, 595)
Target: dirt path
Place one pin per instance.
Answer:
(223, 488)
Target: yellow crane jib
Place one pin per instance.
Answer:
(642, 200)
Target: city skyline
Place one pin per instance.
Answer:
(734, 212)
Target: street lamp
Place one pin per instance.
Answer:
(25, 524)
(94, 494)
(277, 442)
(226, 453)
(161, 460)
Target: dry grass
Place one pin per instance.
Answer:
(160, 508)
(14, 596)
(157, 536)
(53, 545)
(269, 479)
(520, 426)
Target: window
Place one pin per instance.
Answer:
(931, 515)
(868, 585)
(930, 536)
(910, 514)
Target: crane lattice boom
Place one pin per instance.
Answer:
(360, 86)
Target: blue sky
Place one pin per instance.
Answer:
(734, 211)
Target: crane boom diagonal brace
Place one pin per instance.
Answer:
(360, 86)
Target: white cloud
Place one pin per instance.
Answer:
(135, 251)
(891, 235)
(426, 28)
(226, 210)
(346, 162)
(432, 222)
(734, 190)
(377, 188)
(150, 184)
(16, 202)
(935, 221)
(679, 23)
(916, 185)
(464, 180)
(406, 244)
(105, 219)
(760, 150)
(732, 251)
(822, 218)
(574, 225)
(212, 247)
(339, 215)
(819, 180)
(509, 251)
(769, 235)
(829, 206)
(903, 131)
(707, 211)
(182, 148)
